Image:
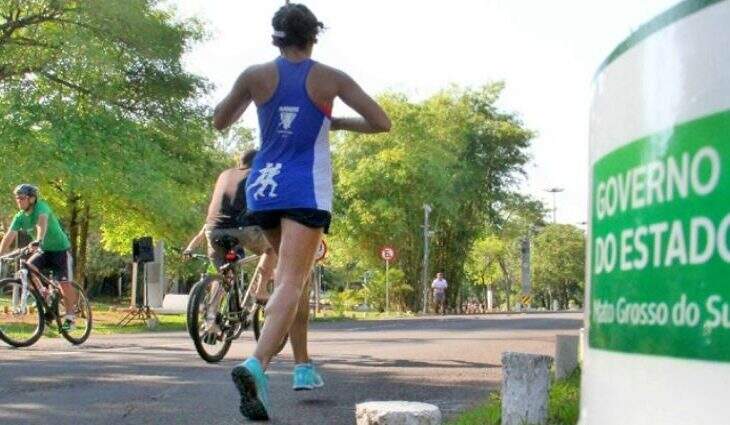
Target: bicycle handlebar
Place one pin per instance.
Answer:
(13, 255)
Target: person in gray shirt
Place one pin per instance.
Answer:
(439, 286)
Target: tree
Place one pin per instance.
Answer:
(374, 292)
(455, 151)
(104, 120)
(495, 257)
(559, 264)
(482, 267)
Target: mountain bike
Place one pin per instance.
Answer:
(29, 301)
(221, 305)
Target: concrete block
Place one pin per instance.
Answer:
(525, 385)
(174, 302)
(152, 323)
(582, 344)
(397, 413)
(566, 355)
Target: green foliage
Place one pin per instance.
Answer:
(482, 266)
(563, 405)
(99, 112)
(454, 151)
(374, 292)
(102, 263)
(564, 400)
(489, 413)
(346, 300)
(494, 258)
(559, 264)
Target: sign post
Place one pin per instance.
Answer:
(526, 272)
(387, 253)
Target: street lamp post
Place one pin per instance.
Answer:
(554, 191)
(424, 276)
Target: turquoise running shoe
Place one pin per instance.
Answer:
(253, 385)
(306, 377)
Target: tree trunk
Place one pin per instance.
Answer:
(83, 243)
(507, 281)
(73, 224)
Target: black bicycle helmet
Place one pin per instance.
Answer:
(26, 189)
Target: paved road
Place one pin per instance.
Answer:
(452, 362)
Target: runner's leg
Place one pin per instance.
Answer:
(297, 245)
(298, 331)
(265, 268)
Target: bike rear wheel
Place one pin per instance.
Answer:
(81, 328)
(21, 321)
(190, 310)
(211, 344)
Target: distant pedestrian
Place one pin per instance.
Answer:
(439, 286)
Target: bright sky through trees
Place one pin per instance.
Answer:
(546, 51)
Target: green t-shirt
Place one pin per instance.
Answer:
(55, 240)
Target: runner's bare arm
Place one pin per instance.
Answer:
(234, 105)
(197, 239)
(372, 118)
(41, 227)
(8, 240)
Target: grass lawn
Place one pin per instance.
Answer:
(105, 323)
(335, 316)
(563, 406)
(107, 314)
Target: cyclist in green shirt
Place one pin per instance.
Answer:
(51, 245)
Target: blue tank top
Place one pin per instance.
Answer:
(293, 167)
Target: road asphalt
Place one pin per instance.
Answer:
(158, 378)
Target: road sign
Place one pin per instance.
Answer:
(321, 251)
(387, 253)
(526, 299)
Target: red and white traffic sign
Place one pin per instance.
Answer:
(321, 251)
(387, 253)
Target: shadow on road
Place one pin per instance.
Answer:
(161, 380)
(75, 391)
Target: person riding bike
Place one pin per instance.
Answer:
(226, 217)
(51, 247)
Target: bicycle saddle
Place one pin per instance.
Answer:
(226, 242)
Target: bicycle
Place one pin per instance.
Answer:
(221, 305)
(30, 301)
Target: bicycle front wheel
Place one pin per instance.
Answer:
(80, 329)
(21, 314)
(208, 321)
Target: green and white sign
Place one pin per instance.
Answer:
(661, 244)
(658, 285)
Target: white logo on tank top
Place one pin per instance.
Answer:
(266, 180)
(287, 114)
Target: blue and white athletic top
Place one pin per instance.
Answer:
(293, 167)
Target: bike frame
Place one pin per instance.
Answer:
(29, 273)
(227, 278)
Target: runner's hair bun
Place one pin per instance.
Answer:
(295, 25)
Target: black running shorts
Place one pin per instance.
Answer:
(310, 217)
(57, 262)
